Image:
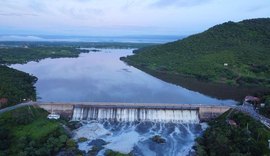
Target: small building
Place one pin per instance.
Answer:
(262, 104)
(252, 99)
(226, 64)
(53, 116)
(232, 122)
(3, 100)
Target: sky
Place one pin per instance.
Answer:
(123, 17)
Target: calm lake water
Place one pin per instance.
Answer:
(102, 77)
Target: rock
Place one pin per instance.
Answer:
(97, 143)
(158, 139)
(95, 50)
(74, 125)
(82, 139)
(94, 150)
(97, 146)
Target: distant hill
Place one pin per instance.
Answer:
(231, 53)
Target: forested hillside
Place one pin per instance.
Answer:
(232, 53)
(234, 133)
(15, 86)
(27, 131)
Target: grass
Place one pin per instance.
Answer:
(30, 125)
(38, 128)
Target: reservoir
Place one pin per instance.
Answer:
(102, 77)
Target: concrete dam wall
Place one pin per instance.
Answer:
(183, 113)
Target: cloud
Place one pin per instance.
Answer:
(20, 38)
(178, 3)
(17, 14)
(257, 8)
(128, 4)
(99, 17)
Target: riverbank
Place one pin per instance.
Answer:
(22, 55)
(23, 52)
(212, 89)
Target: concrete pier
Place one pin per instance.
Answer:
(205, 112)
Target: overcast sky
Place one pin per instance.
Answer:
(123, 17)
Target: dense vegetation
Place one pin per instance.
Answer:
(232, 53)
(246, 137)
(16, 86)
(13, 55)
(22, 52)
(26, 131)
(266, 109)
(74, 44)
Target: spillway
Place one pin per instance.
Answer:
(136, 114)
(122, 125)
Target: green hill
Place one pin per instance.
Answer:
(231, 53)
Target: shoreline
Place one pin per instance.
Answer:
(213, 89)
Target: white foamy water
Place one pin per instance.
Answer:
(91, 131)
(135, 137)
(124, 142)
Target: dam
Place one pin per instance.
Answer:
(129, 112)
(130, 127)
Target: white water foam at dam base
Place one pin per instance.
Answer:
(129, 130)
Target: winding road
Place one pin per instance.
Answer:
(249, 109)
(17, 106)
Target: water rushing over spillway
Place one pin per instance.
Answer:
(130, 130)
(136, 114)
